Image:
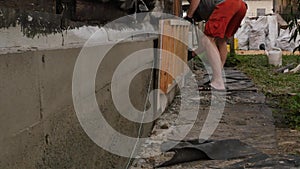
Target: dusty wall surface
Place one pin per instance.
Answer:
(38, 124)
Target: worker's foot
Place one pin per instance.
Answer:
(218, 86)
(210, 88)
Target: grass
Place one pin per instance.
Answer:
(282, 89)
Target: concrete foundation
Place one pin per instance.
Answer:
(38, 124)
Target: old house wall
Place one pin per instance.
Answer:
(255, 6)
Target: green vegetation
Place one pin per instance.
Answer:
(282, 89)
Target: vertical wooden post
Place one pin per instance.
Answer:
(177, 9)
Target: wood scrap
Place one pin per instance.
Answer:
(282, 69)
(296, 69)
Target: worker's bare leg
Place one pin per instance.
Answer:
(222, 46)
(214, 59)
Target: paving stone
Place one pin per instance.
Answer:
(245, 117)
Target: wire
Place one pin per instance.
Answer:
(135, 8)
(143, 117)
(146, 101)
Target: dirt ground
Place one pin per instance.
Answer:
(288, 141)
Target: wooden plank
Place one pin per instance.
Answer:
(183, 51)
(176, 22)
(177, 51)
(175, 63)
(184, 45)
(162, 77)
(165, 56)
(174, 35)
(181, 54)
(171, 33)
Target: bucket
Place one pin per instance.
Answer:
(275, 57)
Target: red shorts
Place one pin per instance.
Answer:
(225, 19)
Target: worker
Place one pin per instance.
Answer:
(223, 18)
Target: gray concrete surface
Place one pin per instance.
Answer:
(38, 124)
(245, 117)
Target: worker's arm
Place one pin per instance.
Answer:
(193, 6)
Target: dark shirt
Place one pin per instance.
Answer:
(205, 9)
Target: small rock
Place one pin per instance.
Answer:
(140, 162)
(197, 98)
(29, 18)
(154, 132)
(297, 151)
(240, 123)
(164, 126)
(287, 143)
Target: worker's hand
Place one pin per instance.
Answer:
(191, 20)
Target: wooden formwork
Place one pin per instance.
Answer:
(173, 44)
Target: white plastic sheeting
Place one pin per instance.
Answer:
(272, 31)
(243, 35)
(284, 38)
(258, 32)
(264, 30)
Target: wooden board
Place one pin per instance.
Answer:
(173, 40)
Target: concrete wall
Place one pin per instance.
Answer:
(38, 124)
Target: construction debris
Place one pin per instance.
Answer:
(296, 69)
(284, 68)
